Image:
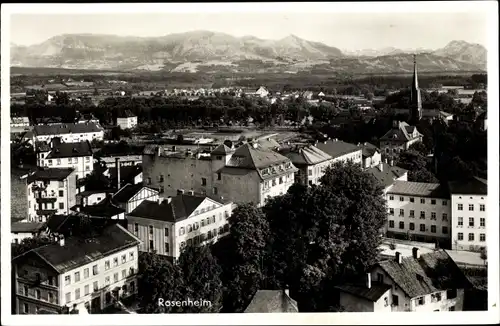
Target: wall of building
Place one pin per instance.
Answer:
(403, 299)
(72, 137)
(142, 195)
(476, 214)
(444, 304)
(83, 165)
(93, 199)
(268, 189)
(353, 303)
(125, 160)
(441, 206)
(372, 161)
(17, 237)
(126, 123)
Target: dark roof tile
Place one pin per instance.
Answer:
(269, 301)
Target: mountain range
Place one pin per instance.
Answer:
(212, 52)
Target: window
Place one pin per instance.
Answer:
(50, 162)
(167, 247)
(87, 159)
(445, 217)
(412, 199)
(433, 202)
(420, 301)
(482, 237)
(460, 236)
(460, 221)
(61, 193)
(50, 280)
(471, 207)
(51, 297)
(401, 198)
(213, 219)
(107, 280)
(422, 227)
(106, 265)
(86, 273)
(386, 302)
(391, 197)
(401, 212)
(482, 207)
(189, 228)
(96, 286)
(433, 215)
(445, 230)
(395, 300)
(149, 181)
(452, 308)
(203, 181)
(471, 236)
(460, 207)
(38, 294)
(209, 234)
(26, 308)
(412, 226)
(445, 203)
(215, 191)
(401, 225)
(95, 271)
(151, 245)
(422, 200)
(61, 205)
(391, 224)
(115, 277)
(77, 277)
(68, 297)
(67, 280)
(471, 222)
(482, 222)
(451, 294)
(412, 213)
(151, 229)
(422, 215)
(391, 211)
(131, 256)
(433, 228)
(380, 278)
(166, 232)
(161, 178)
(86, 289)
(182, 230)
(124, 259)
(203, 222)
(77, 294)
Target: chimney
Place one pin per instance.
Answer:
(191, 192)
(174, 148)
(385, 160)
(398, 257)
(415, 252)
(286, 292)
(368, 280)
(395, 123)
(180, 191)
(118, 176)
(61, 241)
(392, 162)
(381, 167)
(169, 199)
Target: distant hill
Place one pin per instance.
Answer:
(212, 52)
(465, 52)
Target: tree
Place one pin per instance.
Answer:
(416, 164)
(246, 243)
(160, 280)
(97, 181)
(202, 275)
(28, 244)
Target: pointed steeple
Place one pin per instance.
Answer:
(415, 98)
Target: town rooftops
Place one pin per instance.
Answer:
(368, 149)
(49, 174)
(179, 208)
(249, 157)
(337, 148)
(268, 301)
(402, 132)
(63, 150)
(26, 227)
(388, 174)
(105, 208)
(418, 189)
(472, 186)
(308, 155)
(62, 128)
(431, 272)
(362, 291)
(222, 149)
(127, 192)
(78, 251)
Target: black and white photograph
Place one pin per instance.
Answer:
(214, 162)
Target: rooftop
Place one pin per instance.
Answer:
(127, 173)
(78, 251)
(269, 301)
(432, 272)
(127, 192)
(368, 149)
(373, 293)
(419, 189)
(308, 155)
(26, 227)
(222, 149)
(388, 174)
(472, 186)
(62, 150)
(402, 132)
(337, 148)
(61, 128)
(49, 174)
(248, 157)
(106, 208)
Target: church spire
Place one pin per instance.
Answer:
(415, 98)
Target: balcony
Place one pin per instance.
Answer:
(43, 212)
(46, 199)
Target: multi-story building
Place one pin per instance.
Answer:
(399, 139)
(24, 230)
(127, 120)
(469, 214)
(166, 226)
(19, 122)
(371, 155)
(341, 151)
(69, 133)
(310, 162)
(419, 211)
(387, 174)
(66, 155)
(247, 174)
(420, 283)
(50, 191)
(91, 273)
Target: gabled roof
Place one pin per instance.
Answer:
(106, 208)
(222, 149)
(49, 174)
(127, 192)
(337, 148)
(388, 174)
(180, 208)
(432, 272)
(78, 251)
(402, 132)
(420, 189)
(471, 186)
(26, 227)
(368, 149)
(268, 301)
(60, 128)
(308, 155)
(248, 157)
(373, 293)
(63, 150)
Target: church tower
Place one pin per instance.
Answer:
(415, 99)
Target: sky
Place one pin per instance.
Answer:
(346, 31)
